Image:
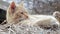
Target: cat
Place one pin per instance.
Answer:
(18, 14)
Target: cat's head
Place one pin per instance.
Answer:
(15, 11)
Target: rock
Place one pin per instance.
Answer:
(2, 15)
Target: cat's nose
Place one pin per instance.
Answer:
(26, 15)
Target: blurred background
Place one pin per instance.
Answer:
(45, 7)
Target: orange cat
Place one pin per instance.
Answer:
(16, 13)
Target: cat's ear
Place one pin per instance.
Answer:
(21, 4)
(11, 8)
(12, 5)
